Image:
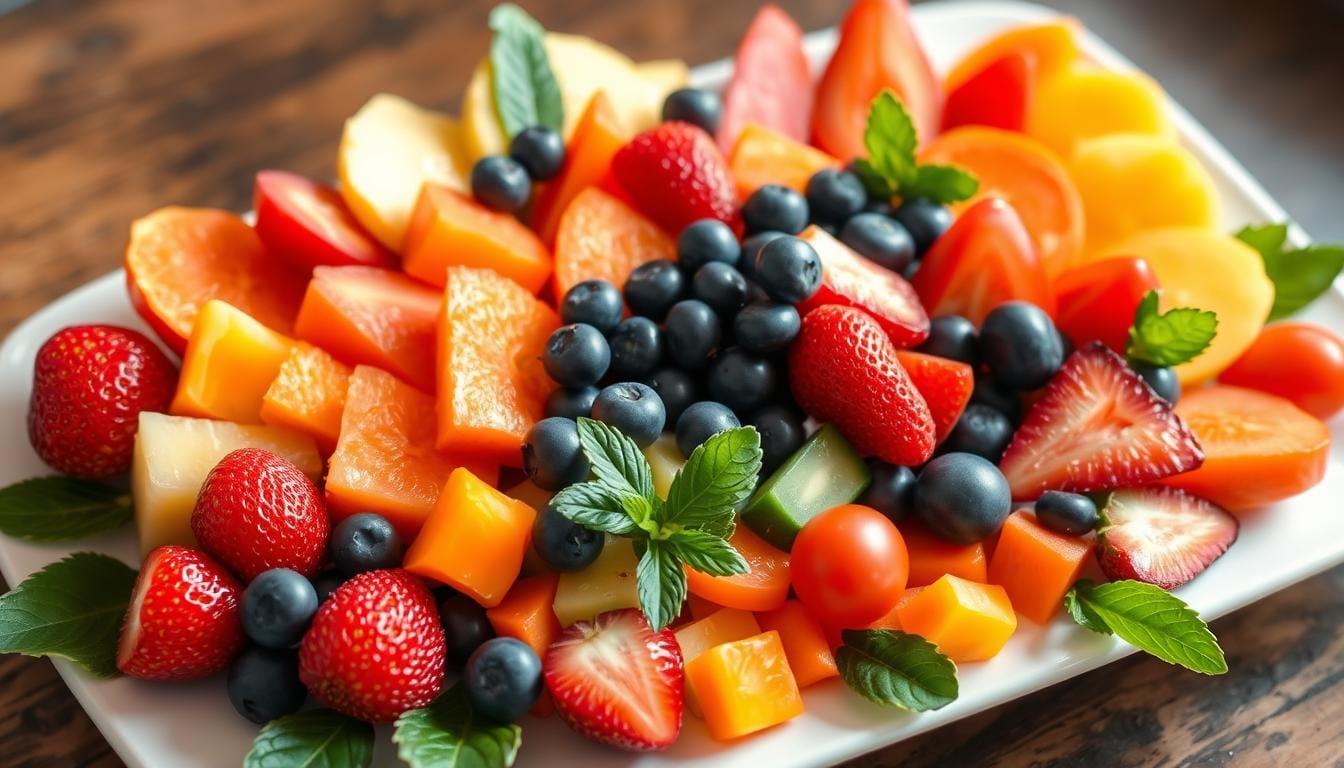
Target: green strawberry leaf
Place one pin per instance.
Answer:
(318, 738)
(1152, 620)
(525, 89)
(897, 669)
(942, 184)
(597, 507)
(72, 609)
(615, 459)
(661, 584)
(59, 508)
(1169, 338)
(1299, 274)
(719, 475)
(706, 552)
(449, 733)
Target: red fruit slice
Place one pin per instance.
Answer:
(308, 224)
(676, 174)
(772, 83)
(853, 281)
(945, 384)
(997, 96)
(1097, 426)
(617, 682)
(1163, 536)
(1097, 300)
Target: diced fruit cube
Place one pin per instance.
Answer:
(450, 229)
(1083, 101)
(804, 642)
(371, 316)
(595, 140)
(764, 588)
(527, 612)
(230, 362)
(966, 620)
(762, 156)
(665, 460)
(826, 472)
(607, 584)
(745, 686)
(931, 556)
(492, 387)
(722, 626)
(1036, 565)
(174, 454)
(600, 237)
(308, 395)
(308, 224)
(849, 279)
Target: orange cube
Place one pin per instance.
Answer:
(600, 237)
(450, 229)
(525, 612)
(745, 686)
(761, 156)
(804, 642)
(966, 620)
(764, 588)
(230, 362)
(596, 138)
(1036, 565)
(308, 395)
(932, 556)
(474, 539)
(722, 626)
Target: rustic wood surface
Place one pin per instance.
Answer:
(110, 108)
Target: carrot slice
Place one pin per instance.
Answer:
(804, 642)
(761, 156)
(601, 237)
(966, 620)
(1036, 565)
(526, 614)
(932, 557)
(764, 588)
(596, 138)
(450, 229)
(308, 395)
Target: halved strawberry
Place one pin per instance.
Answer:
(945, 384)
(849, 279)
(676, 174)
(617, 682)
(1160, 535)
(1096, 427)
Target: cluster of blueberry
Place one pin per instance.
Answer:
(504, 182)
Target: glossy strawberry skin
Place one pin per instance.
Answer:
(946, 386)
(257, 511)
(1163, 536)
(849, 279)
(375, 648)
(676, 175)
(90, 383)
(184, 620)
(843, 369)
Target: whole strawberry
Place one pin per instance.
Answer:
(843, 369)
(184, 617)
(376, 648)
(258, 511)
(676, 175)
(90, 384)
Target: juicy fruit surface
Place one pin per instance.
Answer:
(851, 280)
(450, 228)
(308, 395)
(676, 175)
(1163, 536)
(763, 588)
(745, 686)
(588, 155)
(945, 385)
(1053, 45)
(1036, 566)
(375, 648)
(1081, 102)
(966, 620)
(308, 224)
(1301, 362)
(771, 84)
(601, 237)
(230, 362)
(762, 157)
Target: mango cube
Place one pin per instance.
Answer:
(722, 626)
(966, 620)
(744, 686)
(230, 362)
(308, 395)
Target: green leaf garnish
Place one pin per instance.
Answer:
(706, 552)
(720, 474)
(596, 506)
(615, 459)
(317, 738)
(448, 732)
(1150, 619)
(1169, 338)
(526, 92)
(72, 609)
(891, 169)
(59, 508)
(1299, 274)
(896, 668)
(661, 582)
(942, 184)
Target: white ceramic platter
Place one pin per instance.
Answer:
(193, 725)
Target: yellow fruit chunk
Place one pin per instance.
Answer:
(607, 584)
(173, 454)
(665, 460)
(230, 362)
(1083, 102)
(1130, 183)
(722, 626)
(966, 620)
(744, 686)
(389, 149)
(1212, 271)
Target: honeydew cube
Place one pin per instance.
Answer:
(607, 584)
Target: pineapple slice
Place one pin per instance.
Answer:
(607, 584)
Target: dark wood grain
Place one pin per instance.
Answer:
(110, 108)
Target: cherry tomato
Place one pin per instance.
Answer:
(996, 96)
(772, 83)
(309, 225)
(849, 565)
(1300, 362)
(1098, 300)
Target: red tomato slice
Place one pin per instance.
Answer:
(1098, 300)
(309, 225)
(849, 279)
(878, 50)
(997, 95)
(772, 83)
(1300, 362)
(985, 259)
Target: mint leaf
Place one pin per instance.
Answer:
(890, 139)
(595, 506)
(896, 668)
(706, 552)
(1169, 338)
(448, 732)
(874, 183)
(615, 459)
(661, 584)
(1081, 614)
(1154, 621)
(525, 89)
(719, 475)
(942, 184)
(646, 514)
(318, 738)
(72, 609)
(1299, 275)
(59, 508)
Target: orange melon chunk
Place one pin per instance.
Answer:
(230, 362)
(1036, 565)
(966, 620)
(308, 395)
(745, 686)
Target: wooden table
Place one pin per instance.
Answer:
(110, 108)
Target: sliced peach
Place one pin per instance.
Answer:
(308, 395)
(601, 237)
(450, 229)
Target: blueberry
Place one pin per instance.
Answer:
(740, 380)
(1071, 513)
(766, 327)
(704, 241)
(925, 220)
(695, 106)
(981, 430)
(465, 626)
(503, 679)
(278, 605)
(702, 421)
(993, 394)
(1162, 380)
(500, 182)
(751, 248)
(595, 302)
(636, 348)
(576, 355)
(693, 334)
(789, 269)
(571, 402)
(364, 542)
(833, 196)
(775, 207)
(633, 408)
(540, 150)
(720, 286)
(325, 583)
(264, 684)
(675, 388)
(782, 434)
(1019, 343)
(879, 239)
(892, 491)
(653, 287)
(962, 497)
(953, 337)
(566, 545)
(552, 455)
(882, 207)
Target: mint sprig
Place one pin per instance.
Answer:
(449, 732)
(891, 170)
(690, 529)
(1169, 338)
(526, 92)
(897, 669)
(1150, 619)
(318, 737)
(1299, 274)
(59, 508)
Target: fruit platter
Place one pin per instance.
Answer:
(766, 412)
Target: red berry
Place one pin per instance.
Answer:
(90, 384)
(676, 175)
(258, 511)
(849, 279)
(1163, 536)
(946, 386)
(843, 369)
(376, 648)
(183, 622)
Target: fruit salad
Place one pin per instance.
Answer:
(623, 402)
